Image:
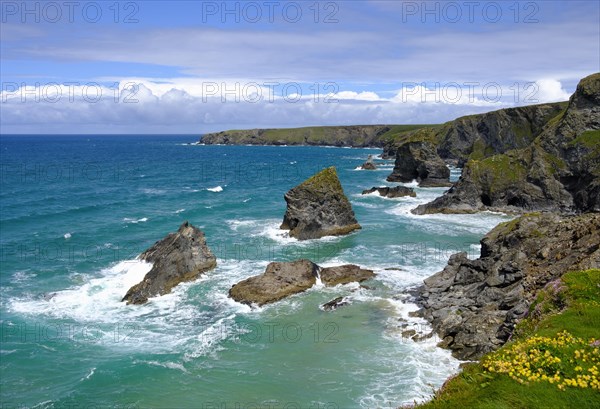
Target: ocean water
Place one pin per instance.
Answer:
(77, 210)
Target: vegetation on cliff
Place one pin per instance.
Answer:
(552, 360)
(559, 170)
(353, 136)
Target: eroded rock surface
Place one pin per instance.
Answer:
(179, 257)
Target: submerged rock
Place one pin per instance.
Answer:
(318, 207)
(391, 192)
(181, 256)
(420, 161)
(334, 304)
(474, 305)
(282, 279)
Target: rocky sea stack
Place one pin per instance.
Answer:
(419, 161)
(474, 304)
(282, 279)
(181, 256)
(318, 207)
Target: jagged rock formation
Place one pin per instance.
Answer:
(482, 135)
(558, 171)
(318, 207)
(391, 192)
(419, 161)
(474, 304)
(282, 279)
(181, 256)
(369, 164)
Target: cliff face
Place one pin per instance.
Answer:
(354, 136)
(558, 171)
(471, 137)
(474, 304)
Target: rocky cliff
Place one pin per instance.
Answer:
(181, 256)
(423, 152)
(318, 207)
(356, 136)
(558, 171)
(474, 304)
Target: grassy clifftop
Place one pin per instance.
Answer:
(352, 136)
(552, 361)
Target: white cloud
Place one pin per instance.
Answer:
(166, 107)
(549, 90)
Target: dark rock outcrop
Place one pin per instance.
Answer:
(181, 256)
(369, 164)
(474, 304)
(391, 192)
(559, 171)
(334, 304)
(318, 207)
(419, 161)
(482, 135)
(282, 279)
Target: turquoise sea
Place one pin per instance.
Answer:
(77, 210)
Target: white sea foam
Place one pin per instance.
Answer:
(67, 236)
(424, 366)
(168, 364)
(150, 191)
(89, 375)
(215, 189)
(98, 299)
(179, 211)
(135, 221)
(22, 276)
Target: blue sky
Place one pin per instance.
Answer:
(195, 67)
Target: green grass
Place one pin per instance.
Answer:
(589, 139)
(325, 181)
(499, 171)
(323, 135)
(571, 304)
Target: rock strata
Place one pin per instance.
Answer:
(474, 305)
(391, 192)
(282, 279)
(179, 257)
(318, 207)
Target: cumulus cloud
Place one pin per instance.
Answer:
(149, 106)
(550, 90)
